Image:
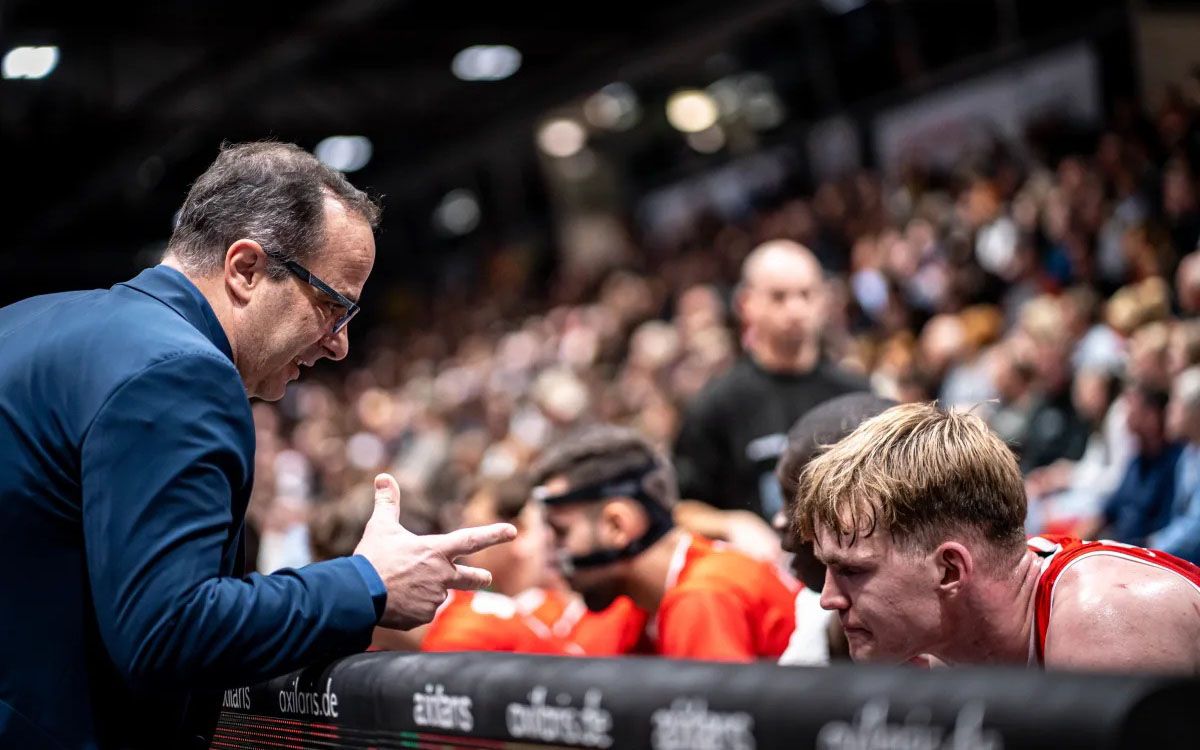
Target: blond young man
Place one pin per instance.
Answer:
(918, 515)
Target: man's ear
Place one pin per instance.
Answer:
(245, 269)
(740, 298)
(622, 520)
(954, 566)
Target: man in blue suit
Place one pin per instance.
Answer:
(126, 460)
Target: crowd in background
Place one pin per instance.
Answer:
(1053, 290)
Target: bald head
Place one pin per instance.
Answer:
(782, 305)
(943, 341)
(1187, 283)
(779, 256)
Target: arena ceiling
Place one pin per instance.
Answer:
(100, 153)
(150, 89)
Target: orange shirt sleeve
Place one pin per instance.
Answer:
(705, 624)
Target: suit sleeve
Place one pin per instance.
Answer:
(159, 466)
(708, 625)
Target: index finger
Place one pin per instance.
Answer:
(469, 541)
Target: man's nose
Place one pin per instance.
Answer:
(336, 345)
(831, 596)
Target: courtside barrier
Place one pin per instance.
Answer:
(477, 700)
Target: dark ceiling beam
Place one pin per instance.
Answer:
(698, 35)
(238, 74)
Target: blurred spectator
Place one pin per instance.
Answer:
(1143, 500)
(1187, 283)
(1054, 431)
(1023, 288)
(1014, 375)
(1181, 535)
(968, 382)
(1066, 493)
(1183, 350)
(735, 430)
(1149, 355)
(943, 343)
(522, 564)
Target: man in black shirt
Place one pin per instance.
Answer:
(736, 428)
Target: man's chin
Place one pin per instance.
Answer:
(791, 340)
(862, 647)
(273, 389)
(868, 652)
(597, 600)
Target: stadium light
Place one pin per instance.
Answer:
(692, 111)
(345, 153)
(561, 138)
(614, 107)
(458, 213)
(486, 62)
(707, 141)
(30, 62)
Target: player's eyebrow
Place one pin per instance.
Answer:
(835, 557)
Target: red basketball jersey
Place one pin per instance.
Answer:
(1059, 552)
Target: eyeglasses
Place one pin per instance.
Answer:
(307, 276)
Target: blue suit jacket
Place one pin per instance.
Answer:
(126, 460)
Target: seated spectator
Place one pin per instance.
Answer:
(1014, 376)
(1142, 501)
(942, 344)
(1149, 355)
(1181, 535)
(1187, 283)
(1183, 351)
(1065, 493)
(1055, 431)
(968, 383)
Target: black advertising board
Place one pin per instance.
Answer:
(389, 700)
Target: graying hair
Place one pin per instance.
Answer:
(272, 193)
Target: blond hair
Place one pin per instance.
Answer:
(920, 473)
(1135, 305)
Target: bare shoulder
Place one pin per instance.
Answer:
(1105, 579)
(1114, 612)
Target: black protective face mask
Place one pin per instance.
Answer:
(628, 484)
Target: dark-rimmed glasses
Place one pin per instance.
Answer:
(350, 306)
